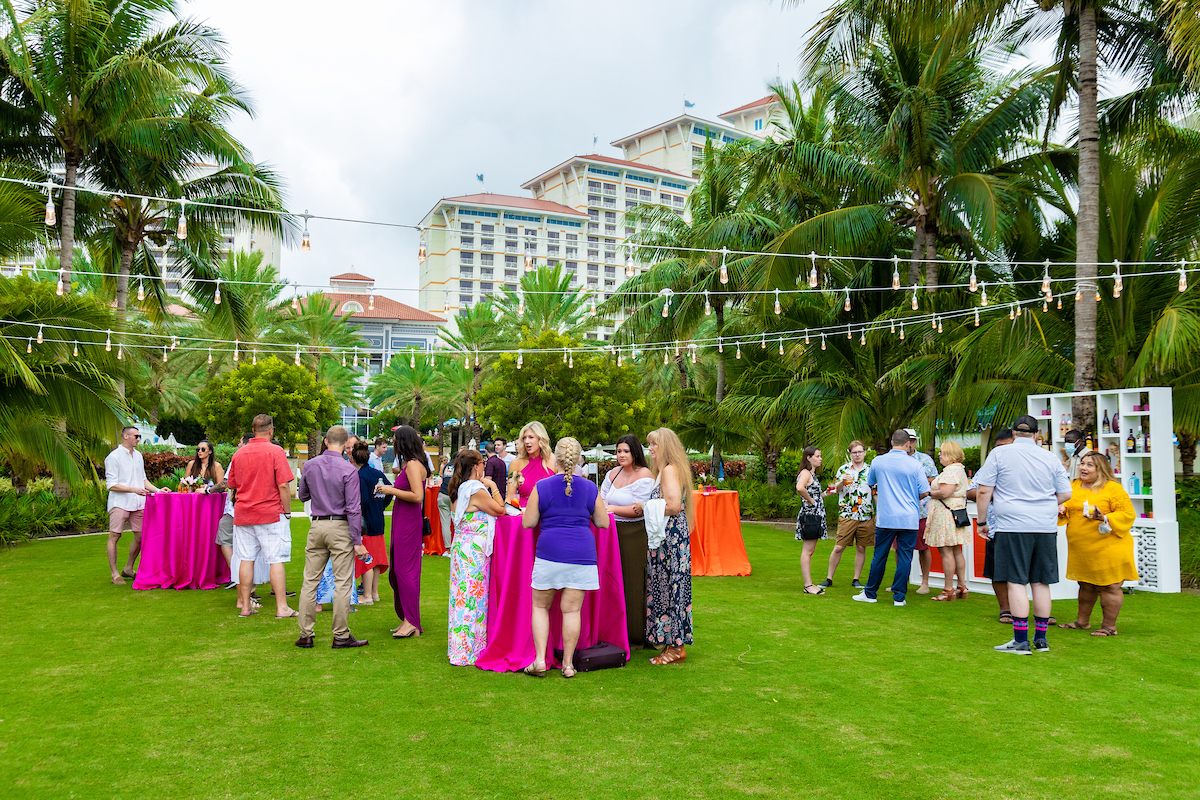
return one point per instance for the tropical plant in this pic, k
(545, 301)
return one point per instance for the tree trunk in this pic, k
(417, 412)
(128, 249)
(1088, 218)
(314, 444)
(66, 249)
(918, 252)
(1187, 453)
(931, 265)
(441, 433)
(771, 459)
(683, 376)
(719, 306)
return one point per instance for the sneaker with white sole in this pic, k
(857, 584)
(1013, 646)
(899, 603)
(1041, 645)
(862, 598)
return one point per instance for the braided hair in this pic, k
(566, 453)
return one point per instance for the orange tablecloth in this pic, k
(717, 546)
(433, 545)
(975, 549)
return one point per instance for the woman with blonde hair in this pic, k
(566, 551)
(947, 495)
(1099, 519)
(535, 463)
(669, 564)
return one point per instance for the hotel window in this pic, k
(510, 231)
(468, 243)
(646, 195)
(485, 286)
(630, 205)
(571, 265)
(594, 186)
(611, 230)
(463, 299)
(572, 237)
(487, 228)
(510, 274)
(466, 286)
(487, 244)
(593, 199)
(531, 247)
(530, 232)
(510, 262)
(594, 214)
(593, 281)
(631, 191)
(610, 284)
(758, 124)
(593, 255)
(697, 151)
(591, 336)
(593, 240)
(485, 272)
(572, 252)
(610, 188)
(466, 227)
(511, 287)
(487, 259)
(551, 234)
(552, 250)
(610, 272)
(610, 216)
(665, 198)
(629, 232)
(593, 269)
(466, 258)
(510, 246)
(593, 227)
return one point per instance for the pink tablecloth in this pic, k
(510, 600)
(179, 548)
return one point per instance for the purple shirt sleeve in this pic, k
(352, 498)
(331, 484)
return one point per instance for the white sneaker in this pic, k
(898, 603)
(1013, 646)
(862, 598)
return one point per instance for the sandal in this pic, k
(533, 672)
(1075, 626)
(1105, 631)
(962, 592)
(806, 591)
(670, 655)
(569, 672)
(946, 596)
(1006, 618)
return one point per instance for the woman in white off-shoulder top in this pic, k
(625, 490)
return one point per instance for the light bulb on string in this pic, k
(915, 305)
(295, 300)
(1098, 298)
(1046, 278)
(254, 358)
(296, 359)
(141, 292)
(1060, 302)
(564, 355)
(217, 293)
(210, 355)
(933, 323)
(1118, 283)
(974, 284)
(812, 275)
(164, 354)
(666, 355)
(977, 318)
(707, 304)
(50, 219)
(1045, 305)
(120, 352)
(939, 325)
(181, 226)
(521, 303)
(739, 350)
(846, 305)
(693, 354)
(620, 358)
(724, 268)
(371, 302)
(1182, 275)
(778, 307)
(356, 358)
(412, 360)
(174, 342)
(764, 340)
(892, 325)
(1078, 293)
(822, 341)
(467, 361)
(520, 359)
(629, 269)
(39, 335)
(849, 333)
(571, 360)
(666, 307)
(75, 349)
(477, 356)
(1012, 312)
(720, 345)
(593, 306)
(305, 240)
(862, 336)
(1019, 309)
(343, 358)
(983, 301)
(806, 336)
(528, 263)
(677, 348)
(780, 345)
(895, 272)
(901, 331)
(422, 253)
(236, 351)
(58, 290)
(29, 346)
(108, 341)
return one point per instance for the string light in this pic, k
(1018, 309)
(977, 318)
(235, 349)
(629, 269)
(343, 358)
(297, 358)
(933, 323)
(665, 357)
(693, 354)
(666, 304)
(939, 325)
(75, 348)
(141, 292)
(39, 335)
(564, 355)
(764, 340)
(528, 263)
(895, 272)
(739, 350)
(1045, 305)
(371, 302)
(108, 342)
(1046, 278)
(915, 306)
(778, 307)
(846, 305)
(467, 361)
(120, 352)
(780, 345)
(217, 293)
(1182, 275)
(254, 358)
(983, 301)
(164, 354)
(901, 331)
(724, 268)
(812, 275)
(50, 218)
(477, 356)
(862, 336)
(849, 333)
(1012, 312)
(707, 305)
(677, 348)
(806, 336)
(720, 345)
(593, 305)
(356, 358)
(571, 360)
(1078, 293)
(210, 355)
(412, 360)
(306, 240)
(295, 300)
(521, 359)
(181, 226)
(1118, 284)
(58, 290)
(620, 358)
(822, 341)
(974, 283)
(1060, 302)
(520, 303)
(892, 325)
(29, 346)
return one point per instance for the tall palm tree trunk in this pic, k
(1088, 222)
(66, 249)
(715, 471)
(918, 252)
(683, 376)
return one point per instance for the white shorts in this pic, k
(555, 575)
(272, 541)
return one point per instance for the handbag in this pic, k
(961, 520)
(601, 655)
(812, 527)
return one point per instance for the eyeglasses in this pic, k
(137, 436)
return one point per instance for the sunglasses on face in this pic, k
(137, 436)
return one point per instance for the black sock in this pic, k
(1040, 626)
(1020, 629)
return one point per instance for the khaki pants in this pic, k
(328, 539)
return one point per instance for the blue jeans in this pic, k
(905, 541)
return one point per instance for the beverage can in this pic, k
(367, 559)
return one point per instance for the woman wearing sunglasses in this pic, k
(204, 466)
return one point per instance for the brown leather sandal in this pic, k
(946, 596)
(962, 592)
(670, 655)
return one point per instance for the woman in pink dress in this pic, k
(407, 515)
(535, 462)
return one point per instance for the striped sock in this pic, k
(1020, 629)
(1040, 626)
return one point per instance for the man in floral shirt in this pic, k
(856, 514)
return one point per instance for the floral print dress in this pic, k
(812, 511)
(669, 584)
(327, 586)
(470, 570)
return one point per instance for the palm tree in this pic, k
(406, 382)
(550, 303)
(477, 334)
(99, 72)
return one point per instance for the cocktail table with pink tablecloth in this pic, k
(179, 549)
(510, 600)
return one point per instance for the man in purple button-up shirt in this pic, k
(331, 484)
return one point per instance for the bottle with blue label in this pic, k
(1135, 484)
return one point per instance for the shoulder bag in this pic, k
(961, 520)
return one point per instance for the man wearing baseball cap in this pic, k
(1027, 484)
(922, 551)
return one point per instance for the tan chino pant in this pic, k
(328, 539)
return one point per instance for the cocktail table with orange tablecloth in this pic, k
(717, 546)
(433, 545)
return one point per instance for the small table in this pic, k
(433, 544)
(179, 549)
(717, 546)
(510, 600)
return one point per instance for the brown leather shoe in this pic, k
(304, 641)
(349, 641)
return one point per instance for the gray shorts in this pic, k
(225, 532)
(1025, 558)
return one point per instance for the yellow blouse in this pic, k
(1094, 557)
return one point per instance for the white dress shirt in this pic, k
(125, 468)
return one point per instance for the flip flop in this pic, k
(118, 581)
(1075, 626)
(294, 613)
(1105, 632)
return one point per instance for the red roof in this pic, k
(385, 308)
(351, 276)
(510, 201)
(766, 101)
(604, 160)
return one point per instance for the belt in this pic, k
(329, 516)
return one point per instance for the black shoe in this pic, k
(288, 593)
(305, 641)
(1041, 646)
(230, 585)
(349, 641)
(254, 594)
(825, 584)
(857, 584)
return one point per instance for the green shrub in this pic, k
(756, 469)
(970, 461)
(1187, 493)
(171, 480)
(28, 516)
(152, 449)
(224, 454)
(1189, 546)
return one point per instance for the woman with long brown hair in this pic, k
(204, 466)
(810, 519)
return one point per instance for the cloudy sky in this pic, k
(376, 109)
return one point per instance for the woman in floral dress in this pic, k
(810, 520)
(949, 492)
(476, 501)
(669, 566)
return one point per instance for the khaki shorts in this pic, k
(117, 517)
(855, 531)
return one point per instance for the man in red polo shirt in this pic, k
(259, 475)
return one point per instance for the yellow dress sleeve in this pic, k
(1119, 508)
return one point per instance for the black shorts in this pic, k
(989, 558)
(1025, 558)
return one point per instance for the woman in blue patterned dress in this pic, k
(669, 566)
(476, 501)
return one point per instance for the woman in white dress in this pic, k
(629, 484)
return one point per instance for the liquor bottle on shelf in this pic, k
(1135, 485)
(1145, 441)
(1070, 423)
(1105, 427)
(1130, 442)
(1116, 424)
(1089, 443)
(1062, 426)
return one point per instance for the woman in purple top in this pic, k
(536, 462)
(566, 552)
(407, 515)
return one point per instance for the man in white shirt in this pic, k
(376, 458)
(125, 476)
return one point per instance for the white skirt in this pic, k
(555, 575)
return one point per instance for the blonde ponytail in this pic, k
(566, 453)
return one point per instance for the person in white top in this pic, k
(625, 490)
(502, 450)
(125, 477)
(376, 458)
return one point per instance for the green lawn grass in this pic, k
(108, 692)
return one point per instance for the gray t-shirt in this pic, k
(1025, 479)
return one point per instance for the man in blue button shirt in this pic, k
(1027, 484)
(900, 483)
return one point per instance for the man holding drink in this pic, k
(856, 514)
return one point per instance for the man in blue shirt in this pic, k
(1027, 484)
(900, 483)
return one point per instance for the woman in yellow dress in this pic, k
(1099, 517)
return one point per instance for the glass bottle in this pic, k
(1130, 443)
(1105, 427)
